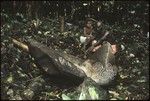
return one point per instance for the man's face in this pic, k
(89, 23)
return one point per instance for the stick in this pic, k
(20, 44)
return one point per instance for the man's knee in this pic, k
(114, 48)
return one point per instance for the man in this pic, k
(93, 37)
(87, 39)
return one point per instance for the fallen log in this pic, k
(99, 67)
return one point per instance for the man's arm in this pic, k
(98, 42)
(101, 39)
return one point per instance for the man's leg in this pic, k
(114, 48)
(96, 48)
(87, 44)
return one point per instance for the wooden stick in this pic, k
(20, 44)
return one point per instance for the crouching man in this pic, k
(93, 37)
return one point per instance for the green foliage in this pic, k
(65, 97)
(93, 93)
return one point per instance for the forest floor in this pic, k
(19, 73)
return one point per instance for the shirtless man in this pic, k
(93, 36)
(87, 39)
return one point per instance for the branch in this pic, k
(20, 44)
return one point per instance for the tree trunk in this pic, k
(29, 10)
(62, 23)
(14, 8)
(99, 67)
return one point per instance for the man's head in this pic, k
(89, 23)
